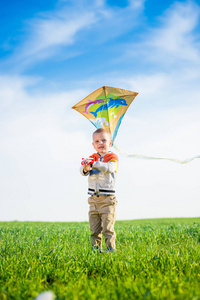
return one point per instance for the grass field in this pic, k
(155, 259)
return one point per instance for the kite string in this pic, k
(160, 158)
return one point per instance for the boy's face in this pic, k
(102, 142)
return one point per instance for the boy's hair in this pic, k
(100, 130)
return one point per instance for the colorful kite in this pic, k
(106, 107)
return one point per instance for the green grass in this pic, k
(155, 259)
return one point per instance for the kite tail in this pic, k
(160, 158)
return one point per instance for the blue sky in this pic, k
(53, 54)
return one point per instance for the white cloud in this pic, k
(53, 32)
(154, 188)
(12, 89)
(40, 153)
(50, 33)
(174, 39)
(138, 4)
(43, 143)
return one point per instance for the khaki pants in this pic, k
(102, 216)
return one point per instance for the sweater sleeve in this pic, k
(82, 171)
(107, 167)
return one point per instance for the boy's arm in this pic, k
(109, 165)
(106, 167)
(83, 172)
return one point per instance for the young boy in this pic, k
(101, 181)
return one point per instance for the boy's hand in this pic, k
(87, 168)
(87, 164)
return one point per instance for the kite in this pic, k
(106, 107)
